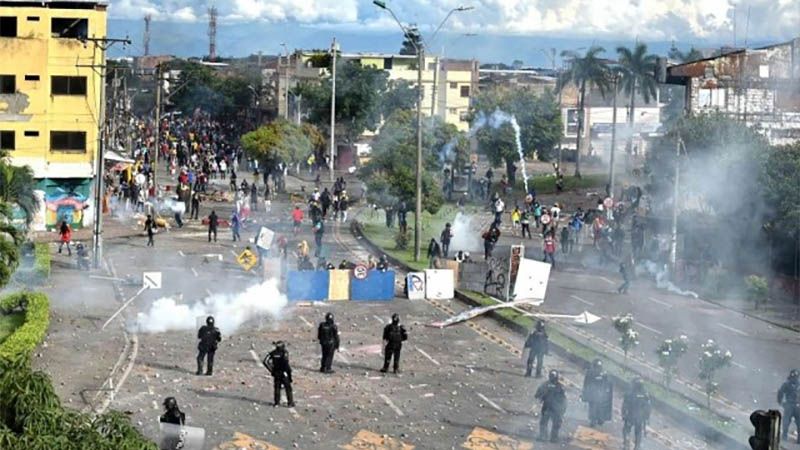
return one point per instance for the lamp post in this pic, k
(420, 49)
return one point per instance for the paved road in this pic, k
(459, 385)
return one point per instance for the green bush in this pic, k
(757, 289)
(32, 332)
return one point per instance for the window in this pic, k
(572, 122)
(68, 85)
(7, 140)
(31, 77)
(453, 85)
(387, 63)
(68, 141)
(8, 27)
(30, 133)
(464, 91)
(463, 116)
(69, 28)
(452, 110)
(33, 18)
(8, 84)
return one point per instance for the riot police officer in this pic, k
(277, 363)
(173, 414)
(554, 405)
(789, 397)
(328, 336)
(635, 414)
(598, 393)
(210, 337)
(393, 336)
(537, 345)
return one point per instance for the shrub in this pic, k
(712, 359)
(669, 354)
(32, 332)
(629, 338)
(757, 289)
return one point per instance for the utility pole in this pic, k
(333, 109)
(673, 245)
(613, 137)
(101, 44)
(157, 142)
(433, 92)
(418, 207)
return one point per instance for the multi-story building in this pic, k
(50, 100)
(757, 87)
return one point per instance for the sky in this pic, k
(493, 31)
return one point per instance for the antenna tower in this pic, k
(212, 33)
(146, 39)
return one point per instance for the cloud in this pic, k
(681, 20)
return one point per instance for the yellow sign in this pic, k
(482, 439)
(242, 441)
(591, 439)
(247, 259)
(367, 440)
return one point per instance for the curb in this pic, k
(665, 408)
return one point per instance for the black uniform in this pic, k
(445, 237)
(175, 416)
(393, 336)
(538, 344)
(554, 405)
(789, 397)
(213, 222)
(277, 362)
(328, 336)
(598, 393)
(635, 414)
(209, 336)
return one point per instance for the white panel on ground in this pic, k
(415, 281)
(531, 280)
(439, 284)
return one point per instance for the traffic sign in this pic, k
(360, 271)
(545, 218)
(608, 202)
(151, 280)
(247, 259)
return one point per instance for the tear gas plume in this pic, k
(464, 236)
(495, 120)
(229, 310)
(662, 279)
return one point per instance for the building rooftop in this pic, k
(53, 3)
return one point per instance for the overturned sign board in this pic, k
(531, 280)
(415, 285)
(439, 284)
(247, 259)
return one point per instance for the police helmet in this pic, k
(329, 317)
(794, 374)
(540, 325)
(170, 403)
(395, 318)
(638, 384)
(553, 376)
(597, 364)
(210, 321)
(280, 345)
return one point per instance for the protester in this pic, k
(65, 232)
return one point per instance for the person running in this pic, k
(149, 227)
(550, 248)
(65, 231)
(297, 219)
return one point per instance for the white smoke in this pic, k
(662, 279)
(464, 236)
(229, 310)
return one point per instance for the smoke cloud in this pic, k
(229, 310)
(464, 236)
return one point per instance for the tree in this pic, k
(390, 173)
(358, 99)
(712, 359)
(16, 188)
(692, 55)
(400, 94)
(781, 181)
(201, 87)
(412, 40)
(757, 289)
(629, 338)
(638, 70)
(539, 119)
(584, 72)
(282, 141)
(669, 354)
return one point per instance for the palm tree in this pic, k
(638, 76)
(583, 71)
(16, 188)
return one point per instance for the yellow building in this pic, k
(455, 82)
(49, 99)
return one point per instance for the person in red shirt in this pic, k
(550, 248)
(297, 218)
(66, 237)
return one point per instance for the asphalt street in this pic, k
(461, 387)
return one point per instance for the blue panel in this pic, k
(307, 285)
(377, 286)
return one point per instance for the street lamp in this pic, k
(420, 49)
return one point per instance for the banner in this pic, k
(531, 280)
(439, 284)
(339, 288)
(376, 286)
(264, 238)
(415, 285)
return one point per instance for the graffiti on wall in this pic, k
(65, 200)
